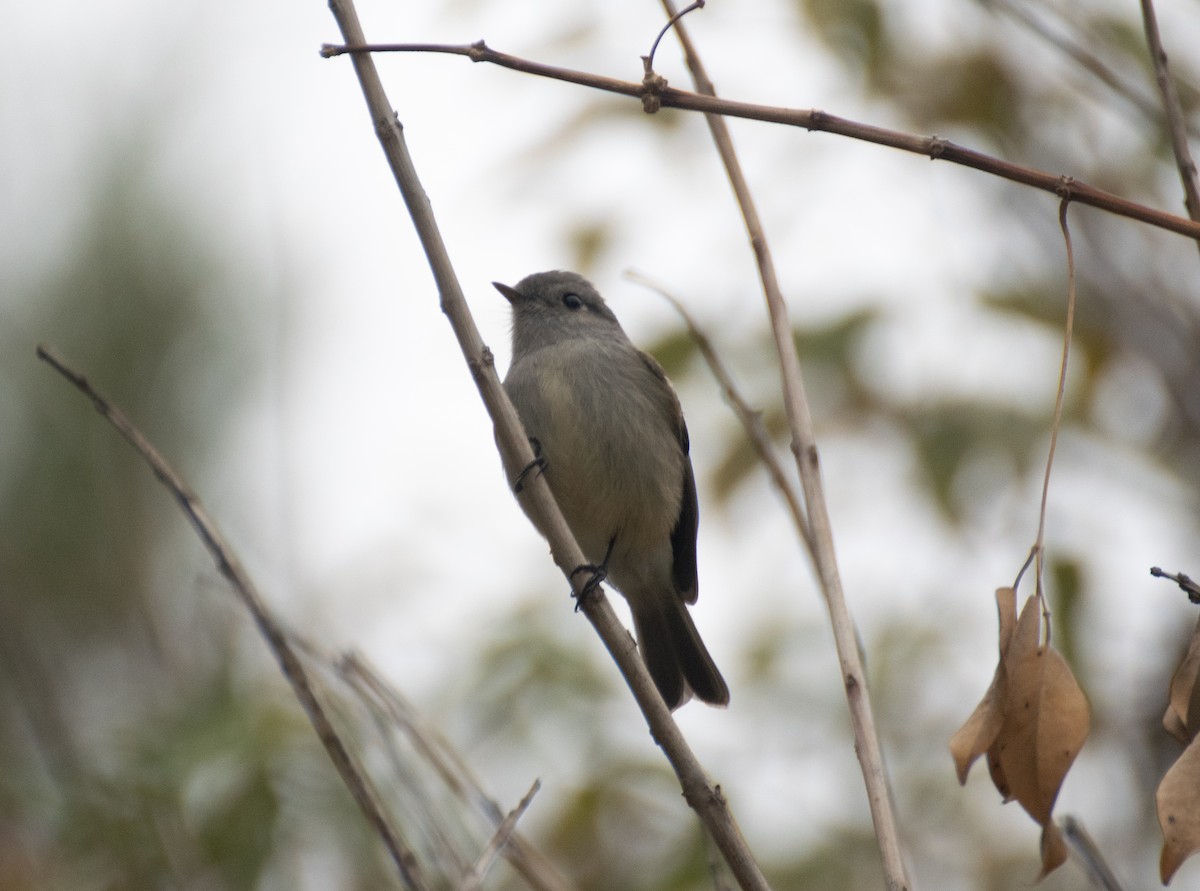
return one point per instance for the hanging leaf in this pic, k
(1177, 799)
(1032, 722)
(1178, 814)
(979, 732)
(1183, 707)
(1046, 717)
(1053, 848)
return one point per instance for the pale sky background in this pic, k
(362, 487)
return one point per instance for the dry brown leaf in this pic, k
(1054, 849)
(1006, 607)
(975, 736)
(1032, 722)
(979, 731)
(1046, 718)
(1173, 724)
(996, 771)
(1179, 811)
(1182, 718)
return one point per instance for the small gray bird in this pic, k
(608, 426)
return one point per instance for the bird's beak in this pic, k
(512, 295)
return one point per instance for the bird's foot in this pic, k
(597, 574)
(538, 464)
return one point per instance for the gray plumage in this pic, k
(611, 431)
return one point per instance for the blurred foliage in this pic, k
(134, 756)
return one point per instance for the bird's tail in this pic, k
(675, 655)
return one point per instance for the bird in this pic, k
(609, 434)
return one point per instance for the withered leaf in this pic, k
(1179, 811)
(979, 732)
(1046, 718)
(1182, 718)
(1054, 849)
(1032, 722)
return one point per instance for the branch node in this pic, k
(480, 367)
(1066, 188)
(479, 51)
(1185, 583)
(937, 147)
(652, 88)
(387, 127)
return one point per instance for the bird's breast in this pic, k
(607, 428)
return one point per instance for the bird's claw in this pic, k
(538, 463)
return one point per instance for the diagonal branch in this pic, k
(932, 147)
(473, 880)
(515, 451)
(1176, 126)
(820, 529)
(277, 639)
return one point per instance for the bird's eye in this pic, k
(572, 301)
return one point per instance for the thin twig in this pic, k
(1059, 396)
(1088, 855)
(932, 147)
(706, 799)
(804, 448)
(277, 639)
(1173, 109)
(750, 418)
(648, 60)
(474, 879)
(1185, 582)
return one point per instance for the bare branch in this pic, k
(277, 639)
(820, 530)
(1088, 855)
(515, 451)
(932, 147)
(1176, 126)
